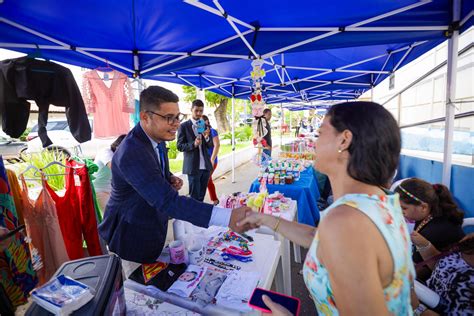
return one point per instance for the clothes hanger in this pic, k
(107, 68)
(52, 164)
(34, 174)
(29, 168)
(36, 54)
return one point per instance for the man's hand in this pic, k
(238, 214)
(198, 141)
(176, 183)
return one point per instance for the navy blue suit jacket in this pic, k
(136, 217)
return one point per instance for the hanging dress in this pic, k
(111, 106)
(86, 202)
(17, 277)
(42, 226)
(69, 216)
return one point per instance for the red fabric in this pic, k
(211, 187)
(88, 218)
(69, 216)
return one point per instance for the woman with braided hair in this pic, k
(437, 217)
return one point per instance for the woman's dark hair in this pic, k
(437, 196)
(117, 142)
(375, 147)
(205, 118)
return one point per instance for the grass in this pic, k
(176, 165)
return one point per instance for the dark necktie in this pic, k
(162, 159)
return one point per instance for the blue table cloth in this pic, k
(304, 191)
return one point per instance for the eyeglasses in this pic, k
(169, 118)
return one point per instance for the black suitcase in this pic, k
(104, 275)
(6, 307)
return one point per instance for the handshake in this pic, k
(244, 219)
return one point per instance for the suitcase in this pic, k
(104, 275)
(6, 307)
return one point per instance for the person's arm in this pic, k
(183, 144)
(300, 234)
(348, 250)
(146, 179)
(425, 248)
(215, 151)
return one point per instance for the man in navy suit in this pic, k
(194, 143)
(144, 192)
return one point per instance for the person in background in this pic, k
(453, 276)
(437, 217)
(267, 114)
(297, 129)
(213, 152)
(194, 144)
(103, 177)
(359, 259)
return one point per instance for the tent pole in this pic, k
(290, 121)
(282, 120)
(372, 88)
(450, 96)
(233, 135)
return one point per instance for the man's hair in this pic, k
(266, 111)
(152, 97)
(198, 103)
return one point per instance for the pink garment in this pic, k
(110, 106)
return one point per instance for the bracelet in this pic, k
(419, 309)
(424, 247)
(277, 224)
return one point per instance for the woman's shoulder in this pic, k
(214, 132)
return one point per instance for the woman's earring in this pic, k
(339, 150)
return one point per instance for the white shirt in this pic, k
(202, 164)
(220, 216)
(103, 177)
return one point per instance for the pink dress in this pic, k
(111, 106)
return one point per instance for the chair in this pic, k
(426, 295)
(397, 183)
(467, 222)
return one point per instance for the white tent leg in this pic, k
(450, 97)
(282, 121)
(290, 121)
(233, 136)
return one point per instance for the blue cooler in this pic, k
(104, 275)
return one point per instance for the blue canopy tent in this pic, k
(209, 43)
(336, 74)
(146, 38)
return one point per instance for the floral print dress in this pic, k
(385, 212)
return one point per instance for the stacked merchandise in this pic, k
(299, 149)
(259, 202)
(281, 172)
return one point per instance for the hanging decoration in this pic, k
(258, 105)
